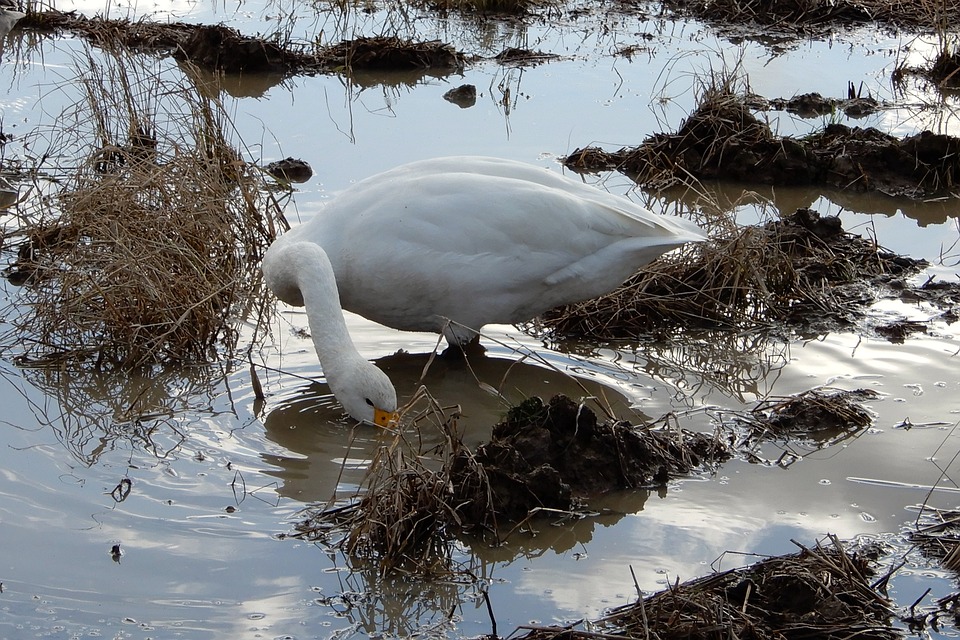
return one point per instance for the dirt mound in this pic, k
(821, 592)
(818, 414)
(552, 455)
(723, 140)
(217, 47)
(543, 458)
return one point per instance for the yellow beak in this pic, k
(385, 419)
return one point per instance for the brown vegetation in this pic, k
(152, 249)
(803, 270)
(723, 140)
(820, 592)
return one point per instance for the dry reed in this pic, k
(153, 245)
(801, 270)
(821, 592)
(405, 516)
(543, 460)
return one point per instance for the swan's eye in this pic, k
(368, 401)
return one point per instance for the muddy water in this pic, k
(217, 477)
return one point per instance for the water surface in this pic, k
(217, 476)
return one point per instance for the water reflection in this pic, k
(740, 366)
(330, 455)
(93, 412)
(734, 197)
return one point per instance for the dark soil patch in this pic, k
(802, 16)
(543, 458)
(557, 454)
(464, 96)
(821, 592)
(814, 105)
(220, 48)
(817, 414)
(390, 54)
(290, 170)
(523, 57)
(803, 271)
(723, 140)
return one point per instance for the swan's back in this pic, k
(481, 240)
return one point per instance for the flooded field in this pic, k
(160, 502)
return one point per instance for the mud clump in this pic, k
(802, 16)
(290, 170)
(821, 592)
(723, 140)
(225, 49)
(220, 48)
(814, 414)
(555, 455)
(542, 459)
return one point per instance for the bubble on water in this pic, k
(866, 517)
(824, 481)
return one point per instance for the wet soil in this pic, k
(723, 140)
(221, 48)
(820, 592)
(555, 455)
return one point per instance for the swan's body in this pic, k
(451, 244)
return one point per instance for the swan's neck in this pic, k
(306, 266)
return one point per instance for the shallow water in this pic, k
(217, 476)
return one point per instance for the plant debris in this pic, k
(554, 455)
(544, 458)
(816, 414)
(152, 249)
(821, 592)
(221, 48)
(723, 140)
(803, 270)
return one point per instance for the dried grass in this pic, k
(821, 592)
(152, 250)
(543, 460)
(803, 269)
(405, 517)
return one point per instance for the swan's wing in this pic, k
(416, 243)
(497, 224)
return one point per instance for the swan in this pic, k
(449, 245)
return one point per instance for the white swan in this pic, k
(449, 245)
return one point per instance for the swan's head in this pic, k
(367, 394)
